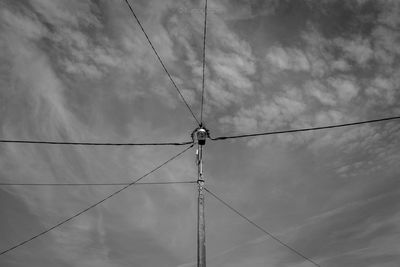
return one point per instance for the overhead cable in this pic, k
(262, 229)
(94, 205)
(161, 62)
(204, 60)
(95, 143)
(94, 184)
(304, 129)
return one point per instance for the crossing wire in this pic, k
(159, 59)
(305, 129)
(93, 205)
(262, 229)
(94, 184)
(95, 143)
(204, 60)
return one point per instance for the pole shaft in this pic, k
(201, 226)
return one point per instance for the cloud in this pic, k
(83, 71)
(88, 55)
(341, 65)
(43, 105)
(229, 60)
(233, 66)
(388, 13)
(36, 82)
(268, 114)
(347, 226)
(320, 92)
(23, 25)
(382, 88)
(288, 59)
(317, 54)
(357, 49)
(346, 88)
(386, 44)
(60, 13)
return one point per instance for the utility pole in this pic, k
(201, 135)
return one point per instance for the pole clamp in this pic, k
(199, 135)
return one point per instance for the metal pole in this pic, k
(201, 226)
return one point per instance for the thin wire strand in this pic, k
(95, 204)
(305, 129)
(204, 60)
(262, 229)
(159, 59)
(95, 184)
(94, 144)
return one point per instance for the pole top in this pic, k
(200, 135)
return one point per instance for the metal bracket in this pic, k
(199, 135)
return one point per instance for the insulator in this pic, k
(201, 135)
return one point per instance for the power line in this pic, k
(204, 60)
(305, 129)
(262, 229)
(95, 204)
(95, 184)
(94, 143)
(159, 59)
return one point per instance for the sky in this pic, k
(82, 71)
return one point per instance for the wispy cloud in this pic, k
(83, 71)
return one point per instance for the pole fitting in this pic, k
(200, 183)
(199, 135)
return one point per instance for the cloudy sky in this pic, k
(80, 70)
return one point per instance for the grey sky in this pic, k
(81, 70)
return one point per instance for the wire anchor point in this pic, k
(200, 134)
